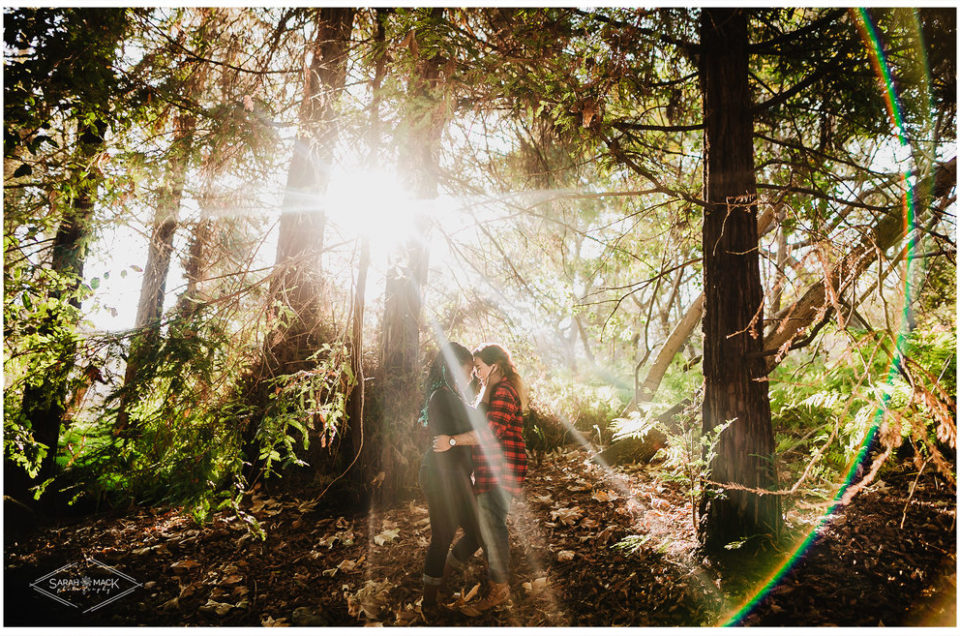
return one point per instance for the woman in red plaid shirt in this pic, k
(500, 466)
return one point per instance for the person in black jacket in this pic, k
(445, 477)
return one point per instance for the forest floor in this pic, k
(589, 547)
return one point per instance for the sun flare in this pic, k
(374, 204)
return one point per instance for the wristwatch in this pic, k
(453, 442)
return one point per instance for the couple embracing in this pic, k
(474, 468)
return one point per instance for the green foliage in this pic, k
(581, 406)
(825, 419)
(305, 403)
(688, 452)
(631, 543)
(543, 432)
(181, 444)
(40, 341)
(185, 437)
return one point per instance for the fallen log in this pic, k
(629, 450)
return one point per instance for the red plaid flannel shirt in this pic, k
(501, 456)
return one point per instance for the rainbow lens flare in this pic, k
(879, 61)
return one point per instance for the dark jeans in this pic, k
(452, 505)
(493, 507)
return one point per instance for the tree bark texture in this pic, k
(153, 288)
(198, 263)
(45, 399)
(298, 330)
(406, 279)
(734, 376)
(152, 291)
(297, 285)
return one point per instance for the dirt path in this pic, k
(588, 548)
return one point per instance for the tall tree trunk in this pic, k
(300, 243)
(406, 279)
(734, 376)
(681, 333)
(198, 262)
(45, 398)
(297, 284)
(153, 288)
(357, 446)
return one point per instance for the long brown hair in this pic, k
(491, 354)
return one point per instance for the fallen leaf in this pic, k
(537, 587)
(472, 593)
(345, 537)
(270, 621)
(386, 537)
(567, 516)
(189, 590)
(265, 505)
(151, 548)
(604, 496)
(220, 609)
(233, 579)
(182, 567)
(369, 600)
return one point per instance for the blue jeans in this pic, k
(493, 507)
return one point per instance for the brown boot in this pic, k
(497, 598)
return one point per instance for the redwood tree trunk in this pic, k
(197, 264)
(297, 286)
(300, 244)
(153, 288)
(45, 399)
(406, 279)
(734, 375)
